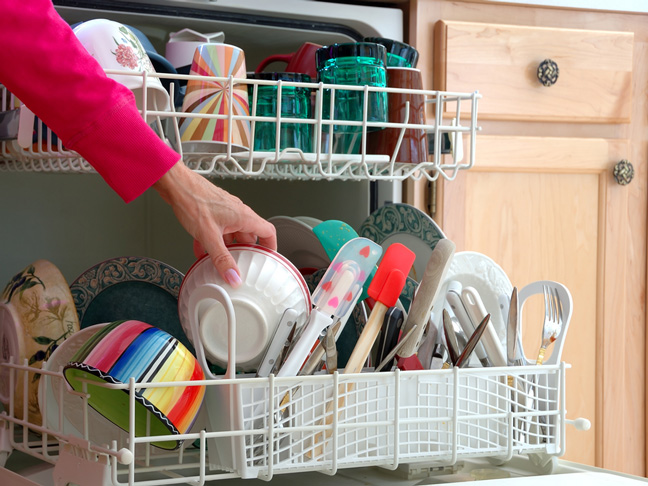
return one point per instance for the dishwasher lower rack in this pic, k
(450, 123)
(260, 427)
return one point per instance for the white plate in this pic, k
(297, 242)
(405, 224)
(473, 269)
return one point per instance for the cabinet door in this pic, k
(592, 75)
(549, 208)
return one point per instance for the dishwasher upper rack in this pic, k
(436, 418)
(451, 117)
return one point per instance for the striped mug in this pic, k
(133, 349)
(212, 98)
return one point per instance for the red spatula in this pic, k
(385, 289)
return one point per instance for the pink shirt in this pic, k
(47, 68)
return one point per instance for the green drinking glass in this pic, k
(295, 103)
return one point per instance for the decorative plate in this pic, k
(405, 224)
(130, 288)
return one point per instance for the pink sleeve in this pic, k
(47, 68)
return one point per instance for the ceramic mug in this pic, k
(133, 349)
(117, 47)
(183, 44)
(414, 145)
(300, 61)
(210, 96)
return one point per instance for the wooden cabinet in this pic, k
(541, 199)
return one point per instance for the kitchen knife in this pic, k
(419, 312)
(512, 336)
(456, 304)
(476, 311)
(338, 290)
(451, 338)
(472, 342)
(385, 288)
(389, 334)
(427, 346)
(392, 354)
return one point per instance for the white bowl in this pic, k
(271, 284)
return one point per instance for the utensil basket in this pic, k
(387, 419)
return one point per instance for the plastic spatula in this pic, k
(385, 288)
(336, 293)
(333, 234)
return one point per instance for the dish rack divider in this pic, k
(434, 417)
(451, 117)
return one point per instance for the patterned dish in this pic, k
(130, 288)
(402, 223)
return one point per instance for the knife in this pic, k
(389, 334)
(337, 292)
(419, 312)
(451, 338)
(472, 342)
(513, 354)
(427, 346)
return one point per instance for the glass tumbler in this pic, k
(358, 64)
(295, 103)
(399, 54)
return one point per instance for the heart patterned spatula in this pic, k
(336, 293)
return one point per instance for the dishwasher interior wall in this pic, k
(77, 221)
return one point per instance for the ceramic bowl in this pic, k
(271, 284)
(38, 306)
(133, 349)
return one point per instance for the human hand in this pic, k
(213, 217)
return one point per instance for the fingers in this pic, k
(223, 261)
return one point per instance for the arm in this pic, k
(47, 68)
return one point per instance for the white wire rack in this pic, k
(381, 419)
(450, 116)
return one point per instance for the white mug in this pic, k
(115, 46)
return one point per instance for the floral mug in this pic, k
(117, 47)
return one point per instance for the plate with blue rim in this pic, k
(405, 224)
(130, 287)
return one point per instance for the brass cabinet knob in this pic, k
(623, 172)
(548, 72)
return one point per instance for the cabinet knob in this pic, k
(548, 72)
(623, 172)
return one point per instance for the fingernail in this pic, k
(233, 278)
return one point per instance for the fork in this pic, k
(553, 320)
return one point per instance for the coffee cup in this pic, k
(115, 46)
(407, 107)
(182, 45)
(218, 99)
(300, 61)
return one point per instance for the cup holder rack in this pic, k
(451, 125)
